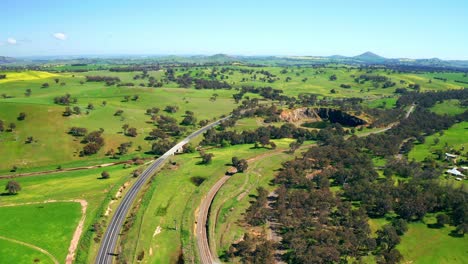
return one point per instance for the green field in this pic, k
(49, 226)
(449, 107)
(421, 244)
(52, 145)
(21, 254)
(452, 138)
(71, 185)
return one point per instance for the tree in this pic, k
(28, 92)
(442, 219)
(67, 112)
(242, 165)
(206, 157)
(132, 132)
(333, 77)
(125, 127)
(45, 85)
(29, 140)
(105, 175)
(387, 237)
(77, 110)
(21, 116)
(12, 126)
(171, 109)
(400, 225)
(234, 161)
(57, 80)
(392, 256)
(90, 106)
(1, 126)
(12, 187)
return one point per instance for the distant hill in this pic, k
(369, 57)
(5, 60)
(366, 58)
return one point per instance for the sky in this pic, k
(390, 28)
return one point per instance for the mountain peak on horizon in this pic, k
(369, 54)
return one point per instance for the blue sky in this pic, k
(414, 29)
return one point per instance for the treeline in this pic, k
(187, 81)
(429, 99)
(102, 79)
(136, 68)
(420, 123)
(260, 135)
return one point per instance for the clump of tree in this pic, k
(78, 131)
(152, 111)
(102, 79)
(131, 132)
(3, 76)
(123, 148)
(171, 109)
(94, 142)
(12, 187)
(240, 164)
(65, 100)
(206, 158)
(189, 119)
(161, 146)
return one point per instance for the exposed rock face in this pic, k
(300, 114)
(318, 114)
(338, 116)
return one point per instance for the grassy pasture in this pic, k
(21, 254)
(454, 137)
(449, 107)
(44, 120)
(421, 244)
(70, 185)
(49, 226)
(234, 198)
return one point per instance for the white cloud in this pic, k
(12, 41)
(60, 36)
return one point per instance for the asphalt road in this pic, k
(111, 236)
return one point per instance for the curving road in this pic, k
(111, 236)
(206, 257)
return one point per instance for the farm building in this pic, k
(455, 172)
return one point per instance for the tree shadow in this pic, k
(8, 194)
(434, 226)
(454, 233)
